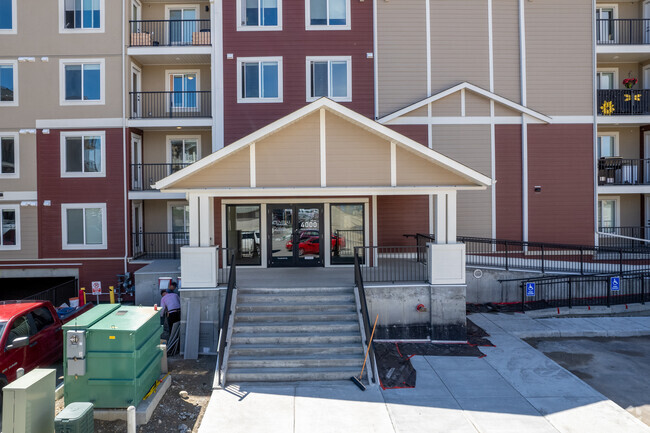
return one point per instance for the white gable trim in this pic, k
(461, 87)
(335, 108)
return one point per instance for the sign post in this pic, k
(530, 289)
(97, 289)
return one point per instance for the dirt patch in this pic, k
(194, 377)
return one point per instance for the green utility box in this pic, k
(75, 418)
(112, 355)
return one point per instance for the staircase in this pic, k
(295, 334)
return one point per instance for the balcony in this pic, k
(624, 102)
(623, 31)
(170, 105)
(158, 245)
(619, 171)
(143, 176)
(629, 238)
(169, 33)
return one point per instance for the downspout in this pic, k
(375, 56)
(124, 178)
(524, 126)
(595, 126)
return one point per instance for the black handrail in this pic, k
(619, 171)
(363, 304)
(144, 176)
(227, 312)
(393, 264)
(628, 238)
(164, 33)
(623, 102)
(623, 31)
(171, 104)
(158, 245)
(58, 294)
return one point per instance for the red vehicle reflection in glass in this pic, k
(310, 243)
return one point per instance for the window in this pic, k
(259, 79)
(607, 79)
(179, 222)
(8, 83)
(605, 25)
(82, 82)
(347, 223)
(185, 86)
(42, 318)
(9, 155)
(329, 77)
(243, 233)
(327, 14)
(10, 226)
(84, 226)
(183, 151)
(182, 24)
(81, 16)
(607, 145)
(83, 154)
(259, 15)
(608, 212)
(19, 329)
(8, 17)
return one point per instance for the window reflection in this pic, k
(243, 233)
(347, 228)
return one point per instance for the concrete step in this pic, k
(295, 290)
(275, 349)
(290, 374)
(250, 338)
(304, 361)
(297, 327)
(304, 316)
(250, 307)
(313, 298)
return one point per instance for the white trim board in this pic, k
(326, 192)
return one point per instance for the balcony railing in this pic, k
(630, 238)
(623, 102)
(623, 31)
(143, 176)
(159, 245)
(174, 104)
(165, 33)
(619, 171)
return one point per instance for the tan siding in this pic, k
(505, 34)
(419, 112)
(232, 171)
(459, 43)
(628, 141)
(290, 157)
(154, 78)
(156, 11)
(27, 165)
(401, 54)
(156, 215)
(502, 110)
(447, 106)
(626, 10)
(476, 105)
(154, 144)
(630, 210)
(475, 213)
(469, 145)
(413, 170)
(625, 70)
(559, 63)
(28, 234)
(354, 155)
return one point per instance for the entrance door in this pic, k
(295, 235)
(138, 235)
(646, 22)
(136, 85)
(136, 163)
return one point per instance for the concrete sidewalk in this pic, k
(515, 388)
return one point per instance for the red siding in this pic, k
(400, 215)
(414, 132)
(508, 188)
(560, 160)
(58, 190)
(294, 43)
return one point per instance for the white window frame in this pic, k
(241, 99)
(169, 139)
(15, 175)
(243, 28)
(197, 72)
(14, 21)
(348, 20)
(102, 20)
(617, 211)
(170, 205)
(169, 7)
(102, 81)
(64, 226)
(82, 135)
(16, 209)
(614, 134)
(14, 65)
(308, 63)
(617, 84)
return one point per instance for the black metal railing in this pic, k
(165, 33)
(393, 264)
(623, 31)
(628, 238)
(363, 304)
(623, 102)
(58, 294)
(158, 245)
(144, 176)
(227, 312)
(585, 290)
(619, 171)
(546, 257)
(171, 104)
(343, 244)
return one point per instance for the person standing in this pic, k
(170, 307)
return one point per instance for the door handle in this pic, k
(33, 344)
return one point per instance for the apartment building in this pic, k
(106, 100)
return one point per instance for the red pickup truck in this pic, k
(30, 336)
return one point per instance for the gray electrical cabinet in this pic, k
(75, 418)
(28, 403)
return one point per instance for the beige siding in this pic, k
(156, 11)
(559, 63)
(505, 36)
(27, 165)
(154, 144)
(626, 10)
(354, 155)
(401, 54)
(413, 170)
(628, 141)
(447, 106)
(502, 110)
(469, 145)
(474, 213)
(28, 234)
(419, 112)
(630, 210)
(625, 70)
(232, 171)
(290, 157)
(459, 43)
(476, 105)
(156, 214)
(154, 78)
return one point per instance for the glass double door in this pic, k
(295, 235)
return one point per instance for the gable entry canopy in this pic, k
(323, 149)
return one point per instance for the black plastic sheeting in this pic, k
(394, 358)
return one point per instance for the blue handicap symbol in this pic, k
(530, 289)
(615, 283)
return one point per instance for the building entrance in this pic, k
(295, 235)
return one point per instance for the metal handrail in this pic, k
(623, 102)
(358, 279)
(623, 31)
(143, 176)
(620, 171)
(393, 263)
(227, 312)
(164, 33)
(170, 104)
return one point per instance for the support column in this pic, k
(206, 221)
(451, 217)
(441, 218)
(194, 220)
